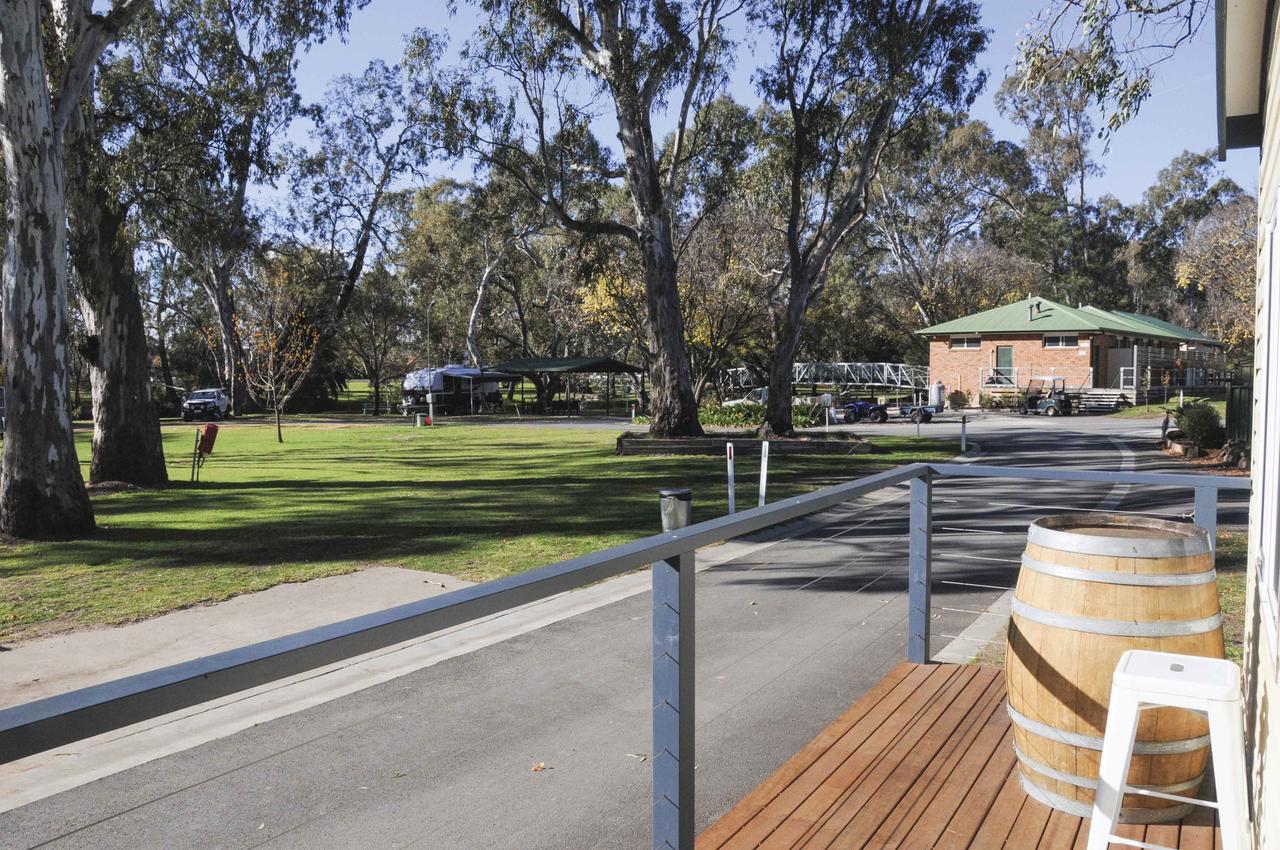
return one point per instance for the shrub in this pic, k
(957, 399)
(748, 416)
(987, 401)
(1200, 423)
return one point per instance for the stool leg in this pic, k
(1226, 742)
(1113, 770)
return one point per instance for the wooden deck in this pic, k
(924, 760)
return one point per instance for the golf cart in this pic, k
(1050, 398)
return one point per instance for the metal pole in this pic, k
(728, 452)
(1206, 514)
(673, 683)
(764, 469)
(964, 437)
(920, 569)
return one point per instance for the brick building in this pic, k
(1037, 339)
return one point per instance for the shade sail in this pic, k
(586, 365)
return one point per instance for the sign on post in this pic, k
(728, 453)
(205, 438)
(764, 469)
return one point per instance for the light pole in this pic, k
(431, 388)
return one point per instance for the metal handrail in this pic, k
(47, 723)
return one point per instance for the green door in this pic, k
(1004, 364)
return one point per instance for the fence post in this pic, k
(920, 569)
(673, 717)
(1206, 514)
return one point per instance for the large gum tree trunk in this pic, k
(217, 286)
(673, 409)
(42, 493)
(126, 430)
(788, 326)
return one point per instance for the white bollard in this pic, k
(728, 452)
(633, 413)
(764, 469)
(964, 437)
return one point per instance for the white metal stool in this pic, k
(1148, 679)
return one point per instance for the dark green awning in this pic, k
(586, 365)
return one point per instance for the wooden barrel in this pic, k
(1090, 588)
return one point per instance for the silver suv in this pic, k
(205, 404)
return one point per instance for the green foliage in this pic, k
(1003, 401)
(957, 399)
(1114, 46)
(1200, 423)
(749, 415)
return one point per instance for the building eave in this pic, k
(1242, 43)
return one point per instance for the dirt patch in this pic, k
(105, 488)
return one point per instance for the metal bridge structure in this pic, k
(843, 375)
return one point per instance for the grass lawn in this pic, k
(1231, 560)
(1156, 411)
(479, 502)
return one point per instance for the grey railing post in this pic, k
(1207, 514)
(920, 569)
(673, 625)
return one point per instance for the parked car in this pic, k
(205, 404)
(856, 411)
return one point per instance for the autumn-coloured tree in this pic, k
(278, 334)
(1219, 261)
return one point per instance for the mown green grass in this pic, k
(1231, 561)
(1156, 411)
(479, 502)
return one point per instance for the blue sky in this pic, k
(1179, 115)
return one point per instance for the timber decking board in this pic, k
(924, 760)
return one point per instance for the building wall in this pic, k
(962, 368)
(1262, 691)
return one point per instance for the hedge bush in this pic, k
(957, 399)
(749, 415)
(1200, 423)
(1006, 401)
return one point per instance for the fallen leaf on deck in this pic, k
(539, 767)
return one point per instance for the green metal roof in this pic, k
(589, 365)
(1040, 315)
(1167, 328)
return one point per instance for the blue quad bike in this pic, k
(857, 411)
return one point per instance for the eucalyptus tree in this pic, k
(46, 66)
(526, 103)
(1107, 49)
(111, 160)
(375, 334)
(227, 68)
(372, 132)
(928, 212)
(843, 84)
(1187, 190)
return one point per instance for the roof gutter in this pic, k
(1220, 40)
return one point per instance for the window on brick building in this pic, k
(966, 342)
(1061, 341)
